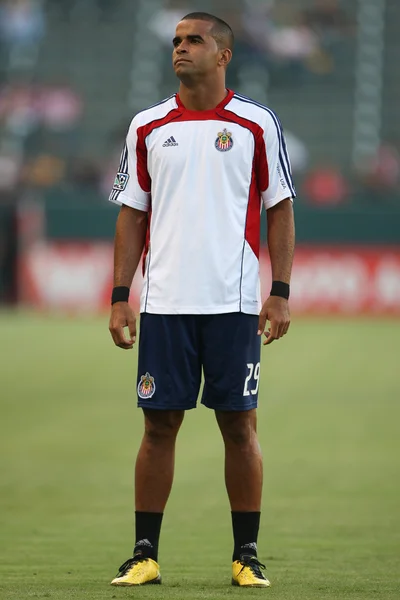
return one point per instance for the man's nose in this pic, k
(183, 47)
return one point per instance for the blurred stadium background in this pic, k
(72, 74)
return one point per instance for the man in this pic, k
(193, 173)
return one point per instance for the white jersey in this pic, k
(202, 176)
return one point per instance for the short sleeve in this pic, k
(276, 183)
(132, 183)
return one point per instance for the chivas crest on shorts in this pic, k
(224, 141)
(146, 386)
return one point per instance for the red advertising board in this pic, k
(326, 280)
(354, 280)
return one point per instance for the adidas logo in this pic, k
(251, 546)
(144, 543)
(170, 142)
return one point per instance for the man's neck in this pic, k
(202, 96)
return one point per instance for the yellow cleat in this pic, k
(246, 572)
(138, 571)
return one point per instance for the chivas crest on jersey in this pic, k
(146, 386)
(224, 141)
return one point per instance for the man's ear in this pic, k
(225, 58)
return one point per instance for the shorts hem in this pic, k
(231, 407)
(158, 407)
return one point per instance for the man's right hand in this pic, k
(122, 316)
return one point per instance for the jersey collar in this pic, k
(220, 106)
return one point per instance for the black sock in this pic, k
(245, 533)
(148, 527)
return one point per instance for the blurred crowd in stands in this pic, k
(40, 120)
(289, 43)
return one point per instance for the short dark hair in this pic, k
(221, 31)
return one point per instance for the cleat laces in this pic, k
(131, 562)
(254, 565)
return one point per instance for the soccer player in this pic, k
(193, 174)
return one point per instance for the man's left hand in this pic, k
(276, 311)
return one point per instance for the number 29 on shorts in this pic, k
(252, 380)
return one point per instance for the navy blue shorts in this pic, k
(174, 350)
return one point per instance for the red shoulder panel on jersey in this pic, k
(141, 148)
(259, 179)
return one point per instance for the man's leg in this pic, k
(153, 481)
(243, 459)
(168, 382)
(169, 374)
(243, 476)
(154, 475)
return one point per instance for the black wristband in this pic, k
(120, 294)
(281, 289)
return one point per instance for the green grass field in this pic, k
(329, 427)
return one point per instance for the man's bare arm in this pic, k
(281, 239)
(130, 236)
(280, 224)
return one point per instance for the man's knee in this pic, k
(238, 428)
(162, 425)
